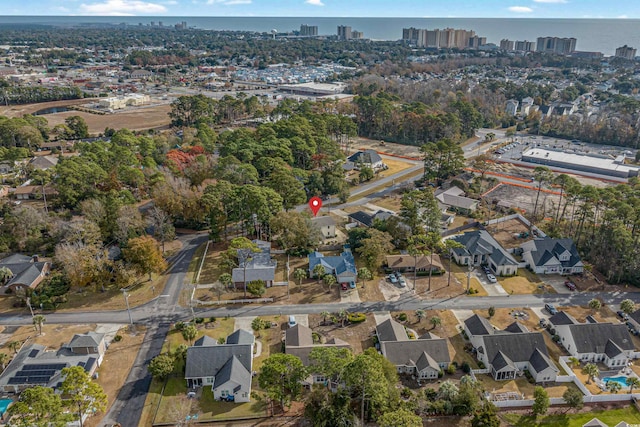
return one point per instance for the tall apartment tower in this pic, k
(308, 30)
(563, 46)
(626, 52)
(344, 32)
(411, 35)
(525, 46)
(507, 45)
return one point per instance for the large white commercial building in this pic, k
(603, 165)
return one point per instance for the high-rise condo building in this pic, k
(626, 52)
(344, 32)
(563, 46)
(524, 46)
(507, 45)
(308, 30)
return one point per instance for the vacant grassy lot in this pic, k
(210, 409)
(503, 317)
(521, 385)
(610, 417)
(359, 335)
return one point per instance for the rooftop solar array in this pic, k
(36, 373)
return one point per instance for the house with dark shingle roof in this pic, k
(454, 199)
(509, 352)
(367, 220)
(424, 357)
(35, 365)
(366, 158)
(298, 341)
(552, 256)
(226, 368)
(26, 272)
(343, 267)
(608, 343)
(480, 248)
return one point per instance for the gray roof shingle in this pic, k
(478, 325)
(518, 347)
(409, 352)
(234, 371)
(241, 336)
(593, 337)
(207, 361)
(390, 330)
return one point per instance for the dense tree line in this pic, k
(15, 95)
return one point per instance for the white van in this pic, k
(292, 321)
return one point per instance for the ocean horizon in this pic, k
(599, 35)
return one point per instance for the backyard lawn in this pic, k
(610, 417)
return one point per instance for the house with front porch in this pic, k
(608, 343)
(343, 266)
(552, 256)
(508, 353)
(480, 248)
(226, 368)
(424, 357)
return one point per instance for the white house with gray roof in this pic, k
(255, 265)
(226, 368)
(608, 343)
(508, 353)
(424, 357)
(552, 256)
(480, 248)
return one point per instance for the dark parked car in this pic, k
(622, 314)
(551, 309)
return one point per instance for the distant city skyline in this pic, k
(572, 9)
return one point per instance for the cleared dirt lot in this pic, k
(141, 118)
(505, 233)
(524, 198)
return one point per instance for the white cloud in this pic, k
(229, 2)
(550, 1)
(314, 2)
(520, 9)
(122, 7)
(623, 17)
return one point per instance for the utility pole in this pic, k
(288, 274)
(30, 307)
(126, 300)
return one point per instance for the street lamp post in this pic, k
(126, 300)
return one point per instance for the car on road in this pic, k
(491, 278)
(551, 309)
(402, 281)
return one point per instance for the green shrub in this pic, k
(179, 326)
(481, 365)
(451, 369)
(402, 317)
(356, 317)
(212, 320)
(316, 337)
(117, 338)
(199, 320)
(466, 368)
(440, 373)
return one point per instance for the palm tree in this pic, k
(342, 315)
(435, 321)
(324, 315)
(574, 362)
(299, 274)
(14, 345)
(319, 272)
(364, 274)
(420, 314)
(632, 382)
(3, 360)
(614, 386)
(38, 320)
(329, 280)
(592, 371)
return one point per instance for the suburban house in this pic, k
(424, 357)
(608, 343)
(366, 220)
(634, 320)
(35, 366)
(454, 199)
(325, 225)
(405, 263)
(508, 353)
(43, 162)
(480, 248)
(255, 266)
(343, 267)
(366, 158)
(34, 192)
(298, 341)
(512, 107)
(227, 368)
(26, 272)
(552, 256)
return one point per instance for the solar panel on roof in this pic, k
(38, 366)
(33, 353)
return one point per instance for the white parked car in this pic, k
(492, 278)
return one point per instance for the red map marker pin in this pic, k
(315, 204)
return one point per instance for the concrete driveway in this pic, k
(556, 282)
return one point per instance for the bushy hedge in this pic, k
(356, 317)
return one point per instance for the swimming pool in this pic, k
(4, 404)
(621, 380)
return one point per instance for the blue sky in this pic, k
(333, 8)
